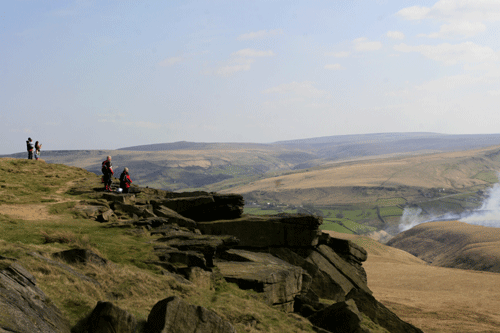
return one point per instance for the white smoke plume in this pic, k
(487, 215)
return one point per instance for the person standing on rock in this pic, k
(30, 147)
(38, 146)
(107, 171)
(125, 180)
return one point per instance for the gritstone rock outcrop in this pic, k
(202, 236)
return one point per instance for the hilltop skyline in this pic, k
(106, 75)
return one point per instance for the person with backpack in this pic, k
(30, 147)
(38, 146)
(107, 171)
(125, 180)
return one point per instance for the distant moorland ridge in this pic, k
(216, 166)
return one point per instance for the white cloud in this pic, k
(303, 89)
(334, 67)
(414, 13)
(241, 61)
(170, 61)
(462, 29)
(260, 34)
(463, 10)
(395, 34)
(252, 53)
(464, 18)
(449, 54)
(238, 65)
(362, 44)
(343, 54)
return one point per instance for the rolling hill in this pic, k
(453, 244)
(215, 166)
(383, 172)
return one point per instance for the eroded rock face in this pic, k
(175, 315)
(203, 206)
(341, 317)
(24, 308)
(284, 230)
(280, 281)
(379, 314)
(108, 318)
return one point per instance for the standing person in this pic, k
(107, 171)
(29, 146)
(38, 146)
(125, 180)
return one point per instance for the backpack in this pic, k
(123, 178)
(28, 146)
(105, 169)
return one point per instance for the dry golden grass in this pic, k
(456, 170)
(205, 158)
(443, 170)
(435, 299)
(453, 244)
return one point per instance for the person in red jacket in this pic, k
(125, 180)
(107, 171)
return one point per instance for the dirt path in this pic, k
(31, 212)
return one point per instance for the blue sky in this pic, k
(112, 74)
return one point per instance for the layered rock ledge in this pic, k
(199, 236)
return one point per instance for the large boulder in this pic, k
(82, 256)
(284, 230)
(341, 317)
(328, 282)
(143, 211)
(175, 315)
(108, 318)
(204, 244)
(204, 206)
(24, 308)
(174, 217)
(125, 198)
(163, 223)
(352, 253)
(279, 281)
(347, 269)
(107, 216)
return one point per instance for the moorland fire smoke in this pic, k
(487, 215)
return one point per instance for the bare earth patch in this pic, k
(435, 299)
(27, 212)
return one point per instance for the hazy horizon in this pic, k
(83, 74)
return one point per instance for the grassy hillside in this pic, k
(435, 299)
(453, 244)
(346, 174)
(40, 214)
(437, 183)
